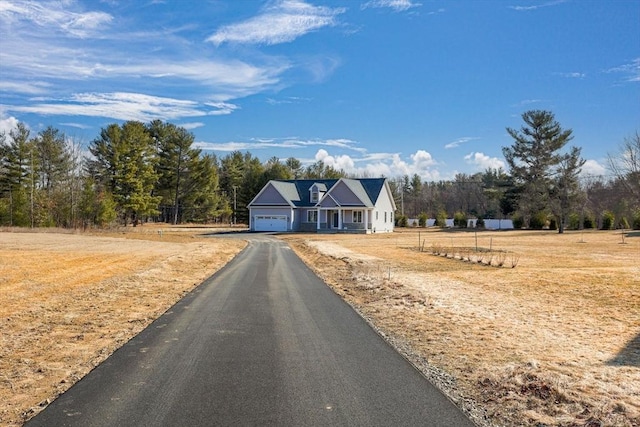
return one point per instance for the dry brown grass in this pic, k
(554, 341)
(67, 301)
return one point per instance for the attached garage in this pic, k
(270, 223)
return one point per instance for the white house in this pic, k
(324, 205)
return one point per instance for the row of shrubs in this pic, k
(588, 221)
(608, 221)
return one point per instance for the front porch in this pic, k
(339, 220)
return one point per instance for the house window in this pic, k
(377, 215)
(312, 216)
(314, 197)
(357, 216)
(385, 217)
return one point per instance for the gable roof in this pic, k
(296, 192)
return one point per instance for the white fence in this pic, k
(489, 224)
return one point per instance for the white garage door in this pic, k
(270, 223)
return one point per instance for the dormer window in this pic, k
(316, 191)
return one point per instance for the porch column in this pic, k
(339, 219)
(318, 219)
(292, 220)
(366, 219)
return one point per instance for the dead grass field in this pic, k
(554, 341)
(67, 301)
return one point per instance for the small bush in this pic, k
(624, 224)
(422, 219)
(460, 220)
(574, 221)
(636, 220)
(441, 219)
(480, 223)
(589, 221)
(401, 220)
(538, 221)
(608, 219)
(518, 222)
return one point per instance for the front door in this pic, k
(335, 220)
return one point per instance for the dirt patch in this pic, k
(67, 301)
(553, 341)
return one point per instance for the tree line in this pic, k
(543, 187)
(136, 172)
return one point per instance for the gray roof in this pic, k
(287, 189)
(296, 191)
(358, 189)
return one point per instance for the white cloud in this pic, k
(537, 6)
(422, 160)
(383, 164)
(49, 31)
(7, 124)
(192, 125)
(76, 125)
(120, 106)
(525, 102)
(482, 161)
(54, 16)
(342, 162)
(396, 5)
(632, 69)
(30, 88)
(574, 75)
(280, 22)
(459, 141)
(291, 142)
(441, 10)
(593, 168)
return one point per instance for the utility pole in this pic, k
(235, 219)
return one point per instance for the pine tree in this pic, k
(177, 162)
(124, 161)
(535, 160)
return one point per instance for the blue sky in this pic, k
(376, 87)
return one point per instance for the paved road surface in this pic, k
(263, 342)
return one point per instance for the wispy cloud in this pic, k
(287, 100)
(460, 141)
(123, 106)
(192, 125)
(288, 143)
(396, 5)
(631, 70)
(437, 12)
(55, 16)
(76, 125)
(526, 102)
(483, 162)
(280, 22)
(537, 6)
(51, 30)
(574, 75)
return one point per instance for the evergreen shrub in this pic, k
(608, 219)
